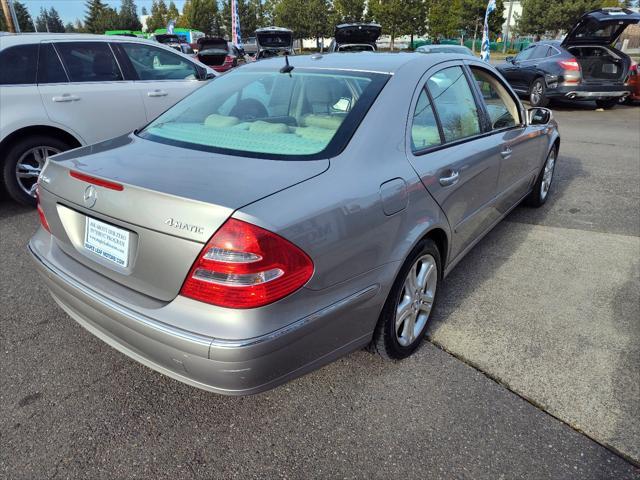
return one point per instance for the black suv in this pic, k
(584, 66)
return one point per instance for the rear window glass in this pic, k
(18, 65)
(270, 114)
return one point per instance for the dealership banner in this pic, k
(484, 50)
(236, 37)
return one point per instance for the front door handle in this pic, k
(506, 153)
(451, 179)
(66, 97)
(157, 93)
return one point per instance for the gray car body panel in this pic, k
(357, 215)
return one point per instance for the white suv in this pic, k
(61, 91)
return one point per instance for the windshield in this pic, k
(268, 114)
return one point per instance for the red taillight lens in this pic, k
(570, 64)
(245, 266)
(96, 181)
(228, 59)
(633, 70)
(43, 219)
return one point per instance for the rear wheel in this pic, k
(607, 103)
(406, 312)
(540, 192)
(24, 162)
(538, 94)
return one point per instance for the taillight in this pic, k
(228, 59)
(245, 266)
(569, 64)
(43, 219)
(633, 70)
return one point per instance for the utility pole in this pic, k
(7, 10)
(506, 30)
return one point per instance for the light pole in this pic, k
(506, 30)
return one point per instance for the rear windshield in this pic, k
(269, 114)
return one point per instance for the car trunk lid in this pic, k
(362, 33)
(212, 51)
(600, 27)
(170, 203)
(274, 38)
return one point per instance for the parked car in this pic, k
(250, 46)
(234, 247)
(355, 37)
(61, 91)
(459, 49)
(219, 54)
(634, 85)
(174, 41)
(273, 42)
(584, 66)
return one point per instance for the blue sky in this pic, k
(69, 10)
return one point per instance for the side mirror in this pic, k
(509, 59)
(539, 116)
(209, 76)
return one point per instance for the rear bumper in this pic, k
(588, 92)
(231, 367)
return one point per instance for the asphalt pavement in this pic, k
(532, 371)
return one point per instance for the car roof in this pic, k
(361, 61)
(24, 38)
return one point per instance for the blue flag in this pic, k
(484, 49)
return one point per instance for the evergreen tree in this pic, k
(251, 14)
(144, 11)
(93, 17)
(172, 12)
(69, 28)
(24, 18)
(158, 18)
(129, 16)
(201, 15)
(49, 21)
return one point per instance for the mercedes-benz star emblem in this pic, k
(90, 196)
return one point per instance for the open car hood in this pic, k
(274, 37)
(600, 27)
(357, 33)
(210, 43)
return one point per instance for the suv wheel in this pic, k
(406, 312)
(607, 103)
(538, 94)
(24, 162)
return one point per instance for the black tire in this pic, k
(607, 104)
(538, 93)
(15, 152)
(385, 338)
(538, 197)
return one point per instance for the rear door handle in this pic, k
(506, 153)
(157, 93)
(66, 97)
(451, 179)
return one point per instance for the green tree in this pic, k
(49, 21)
(128, 16)
(445, 18)
(3, 23)
(349, 11)
(540, 16)
(172, 12)
(24, 18)
(392, 15)
(416, 18)
(472, 18)
(144, 11)
(159, 14)
(201, 15)
(69, 28)
(250, 12)
(95, 10)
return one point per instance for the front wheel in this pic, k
(24, 162)
(540, 192)
(607, 103)
(538, 94)
(408, 307)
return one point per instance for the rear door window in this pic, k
(50, 68)
(454, 103)
(424, 129)
(525, 54)
(152, 63)
(89, 61)
(18, 65)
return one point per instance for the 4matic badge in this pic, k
(177, 224)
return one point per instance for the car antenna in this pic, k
(287, 68)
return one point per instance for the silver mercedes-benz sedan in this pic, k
(288, 214)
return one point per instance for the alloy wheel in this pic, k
(416, 300)
(547, 175)
(536, 93)
(29, 166)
